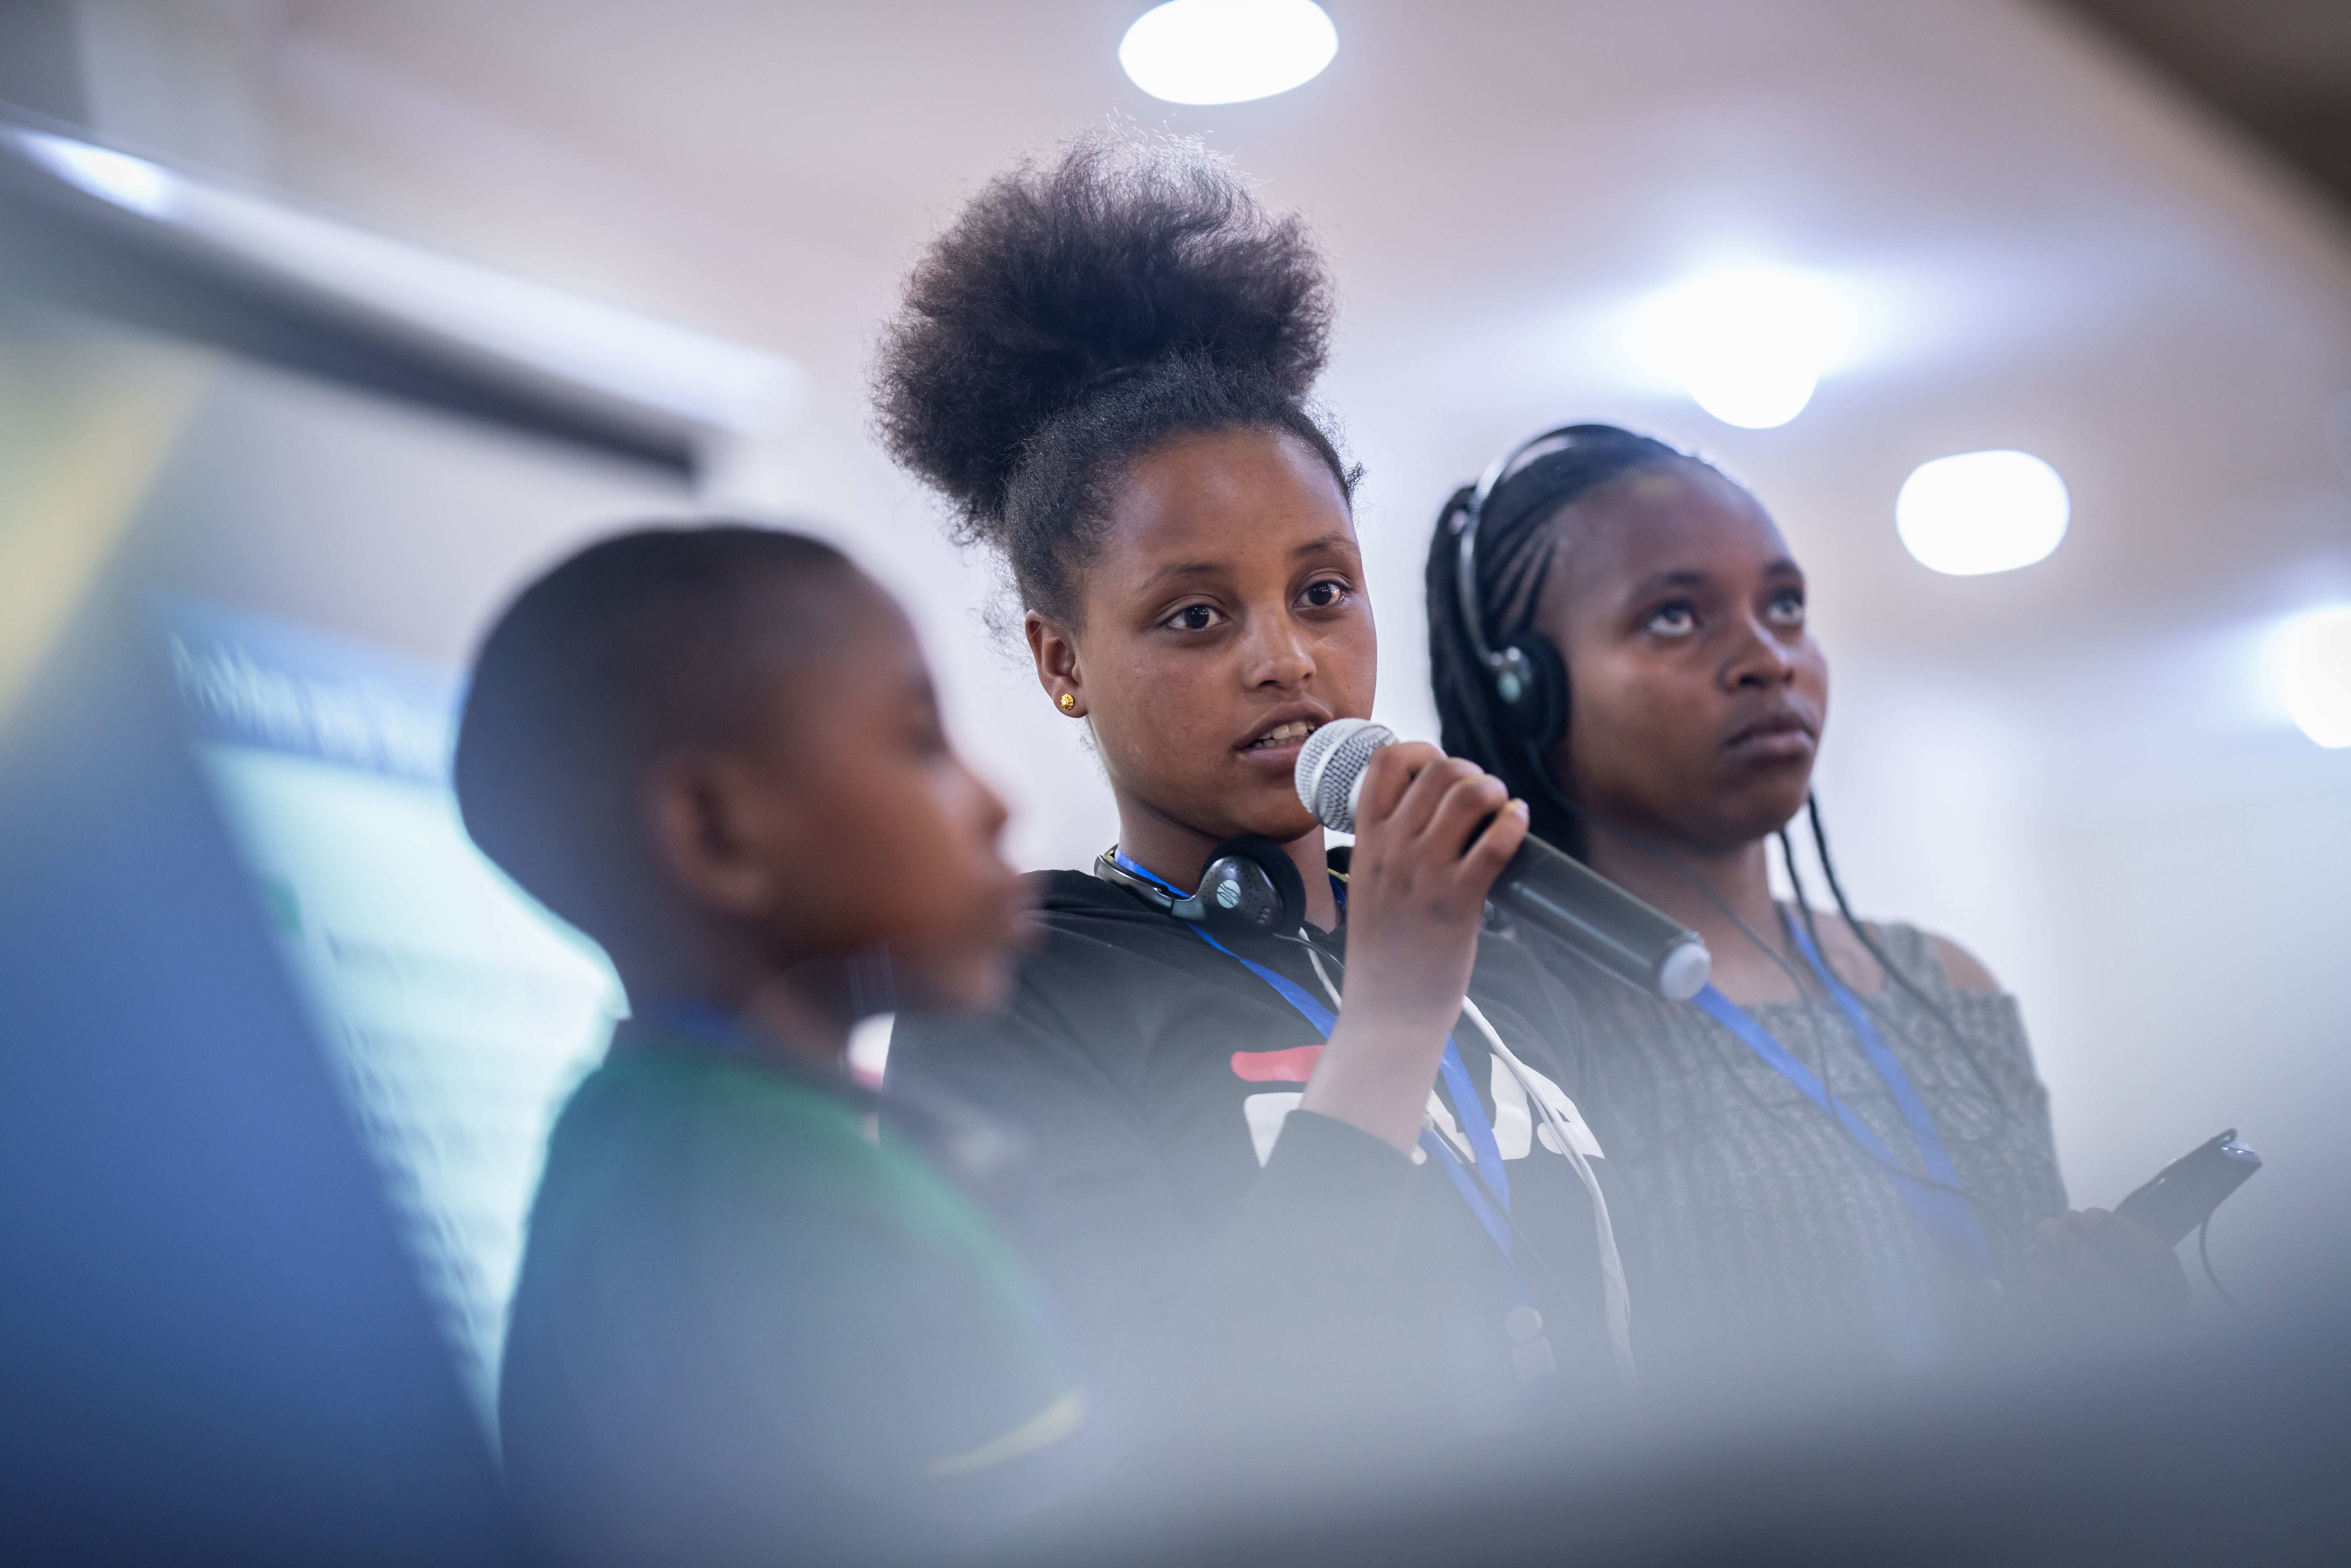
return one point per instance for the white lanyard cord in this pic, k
(1614, 1291)
(1618, 1299)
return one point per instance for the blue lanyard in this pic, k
(1488, 1195)
(1944, 1214)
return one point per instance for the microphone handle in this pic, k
(1623, 935)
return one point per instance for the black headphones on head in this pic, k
(1250, 887)
(1527, 676)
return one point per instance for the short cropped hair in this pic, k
(654, 639)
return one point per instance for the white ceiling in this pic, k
(2056, 254)
(2062, 258)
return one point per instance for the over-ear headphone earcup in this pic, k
(1532, 685)
(1249, 885)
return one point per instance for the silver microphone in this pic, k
(1540, 885)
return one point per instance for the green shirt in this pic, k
(748, 1327)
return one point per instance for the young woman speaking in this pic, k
(1839, 1153)
(1301, 1132)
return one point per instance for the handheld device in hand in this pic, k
(2184, 1193)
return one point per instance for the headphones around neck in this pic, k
(1250, 887)
(1528, 677)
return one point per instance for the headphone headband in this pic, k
(1525, 673)
(1473, 511)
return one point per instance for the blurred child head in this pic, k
(717, 750)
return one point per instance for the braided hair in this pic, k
(1517, 540)
(1081, 312)
(1517, 535)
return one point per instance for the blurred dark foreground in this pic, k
(2236, 1450)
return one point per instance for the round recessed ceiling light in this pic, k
(1227, 51)
(1748, 344)
(2312, 660)
(1755, 395)
(1981, 512)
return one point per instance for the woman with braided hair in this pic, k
(1840, 1153)
(1331, 1160)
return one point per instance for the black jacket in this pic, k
(1208, 1244)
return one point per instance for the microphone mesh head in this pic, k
(1331, 765)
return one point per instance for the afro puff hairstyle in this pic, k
(1081, 312)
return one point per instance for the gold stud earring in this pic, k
(1070, 703)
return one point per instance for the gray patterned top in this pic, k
(1759, 1236)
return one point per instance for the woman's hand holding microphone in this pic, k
(1415, 898)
